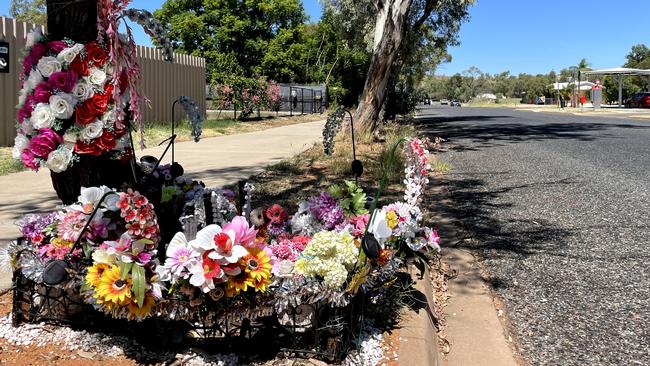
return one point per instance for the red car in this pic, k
(639, 100)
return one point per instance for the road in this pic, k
(558, 208)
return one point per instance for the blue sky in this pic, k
(537, 36)
(312, 7)
(525, 35)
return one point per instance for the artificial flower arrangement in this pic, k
(232, 265)
(66, 105)
(73, 95)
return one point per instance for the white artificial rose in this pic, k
(97, 76)
(62, 105)
(48, 66)
(22, 98)
(42, 116)
(69, 54)
(109, 117)
(21, 142)
(33, 37)
(58, 160)
(70, 136)
(92, 130)
(83, 90)
(32, 81)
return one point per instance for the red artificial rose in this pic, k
(107, 141)
(90, 148)
(86, 113)
(79, 66)
(96, 54)
(100, 102)
(108, 89)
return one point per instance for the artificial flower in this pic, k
(62, 105)
(112, 288)
(58, 160)
(141, 311)
(94, 274)
(48, 65)
(42, 116)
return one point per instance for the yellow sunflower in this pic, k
(112, 288)
(94, 275)
(257, 264)
(60, 243)
(141, 312)
(238, 284)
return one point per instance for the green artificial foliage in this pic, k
(351, 198)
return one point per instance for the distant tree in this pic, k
(639, 57)
(30, 11)
(235, 36)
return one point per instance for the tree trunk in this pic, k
(77, 20)
(74, 19)
(389, 33)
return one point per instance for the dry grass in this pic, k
(157, 132)
(7, 163)
(293, 180)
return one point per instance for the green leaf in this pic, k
(125, 268)
(139, 284)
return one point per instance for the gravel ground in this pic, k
(558, 207)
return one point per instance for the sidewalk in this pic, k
(216, 161)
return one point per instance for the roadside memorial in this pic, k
(138, 244)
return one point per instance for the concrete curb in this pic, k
(418, 336)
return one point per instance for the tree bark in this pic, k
(74, 19)
(390, 29)
(77, 20)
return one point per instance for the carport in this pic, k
(619, 73)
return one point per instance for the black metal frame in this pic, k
(329, 335)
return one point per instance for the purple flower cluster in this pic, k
(33, 225)
(327, 210)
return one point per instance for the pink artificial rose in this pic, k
(36, 53)
(63, 80)
(42, 92)
(46, 142)
(24, 113)
(57, 46)
(29, 159)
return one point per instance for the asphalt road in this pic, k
(559, 208)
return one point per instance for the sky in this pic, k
(531, 36)
(538, 36)
(313, 8)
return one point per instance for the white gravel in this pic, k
(91, 343)
(372, 347)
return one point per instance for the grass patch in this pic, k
(440, 167)
(157, 132)
(7, 163)
(293, 180)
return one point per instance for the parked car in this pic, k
(455, 103)
(444, 102)
(639, 100)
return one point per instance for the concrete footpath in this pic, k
(217, 161)
(474, 329)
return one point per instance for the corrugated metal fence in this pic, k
(162, 82)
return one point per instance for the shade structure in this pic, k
(583, 85)
(619, 72)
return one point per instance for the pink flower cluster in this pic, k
(139, 215)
